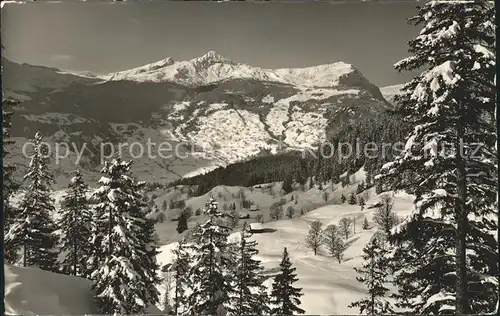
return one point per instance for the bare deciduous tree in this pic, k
(345, 227)
(314, 238)
(385, 217)
(276, 211)
(333, 242)
(339, 249)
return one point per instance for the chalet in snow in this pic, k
(256, 228)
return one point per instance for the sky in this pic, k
(107, 37)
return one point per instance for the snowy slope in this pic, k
(213, 67)
(31, 291)
(328, 286)
(390, 91)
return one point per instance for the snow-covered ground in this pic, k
(328, 286)
(390, 91)
(31, 291)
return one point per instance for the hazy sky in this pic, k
(104, 37)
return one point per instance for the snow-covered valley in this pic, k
(328, 286)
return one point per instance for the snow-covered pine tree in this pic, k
(74, 227)
(285, 298)
(33, 228)
(212, 263)
(125, 279)
(248, 292)
(447, 248)
(373, 274)
(9, 186)
(180, 268)
(263, 308)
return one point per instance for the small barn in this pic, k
(256, 228)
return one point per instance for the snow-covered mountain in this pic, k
(390, 91)
(227, 111)
(212, 67)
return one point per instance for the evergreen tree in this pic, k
(360, 188)
(369, 177)
(180, 268)
(352, 199)
(125, 279)
(74, 225)
(447, 247)
(287, 184)
(212, 263)
(361, 202)
(378, 187)
(285, 298)
(374, 275)
(248, 292)
(343, 198)
(9, 186)
(33, 228)
(182, 223)
(365, 225)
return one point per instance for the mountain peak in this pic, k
(211, 54)
(211, 57)
(212, 67)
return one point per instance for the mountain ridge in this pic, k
(227, 116)
(216, 68)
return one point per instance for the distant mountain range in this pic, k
(228, 111)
